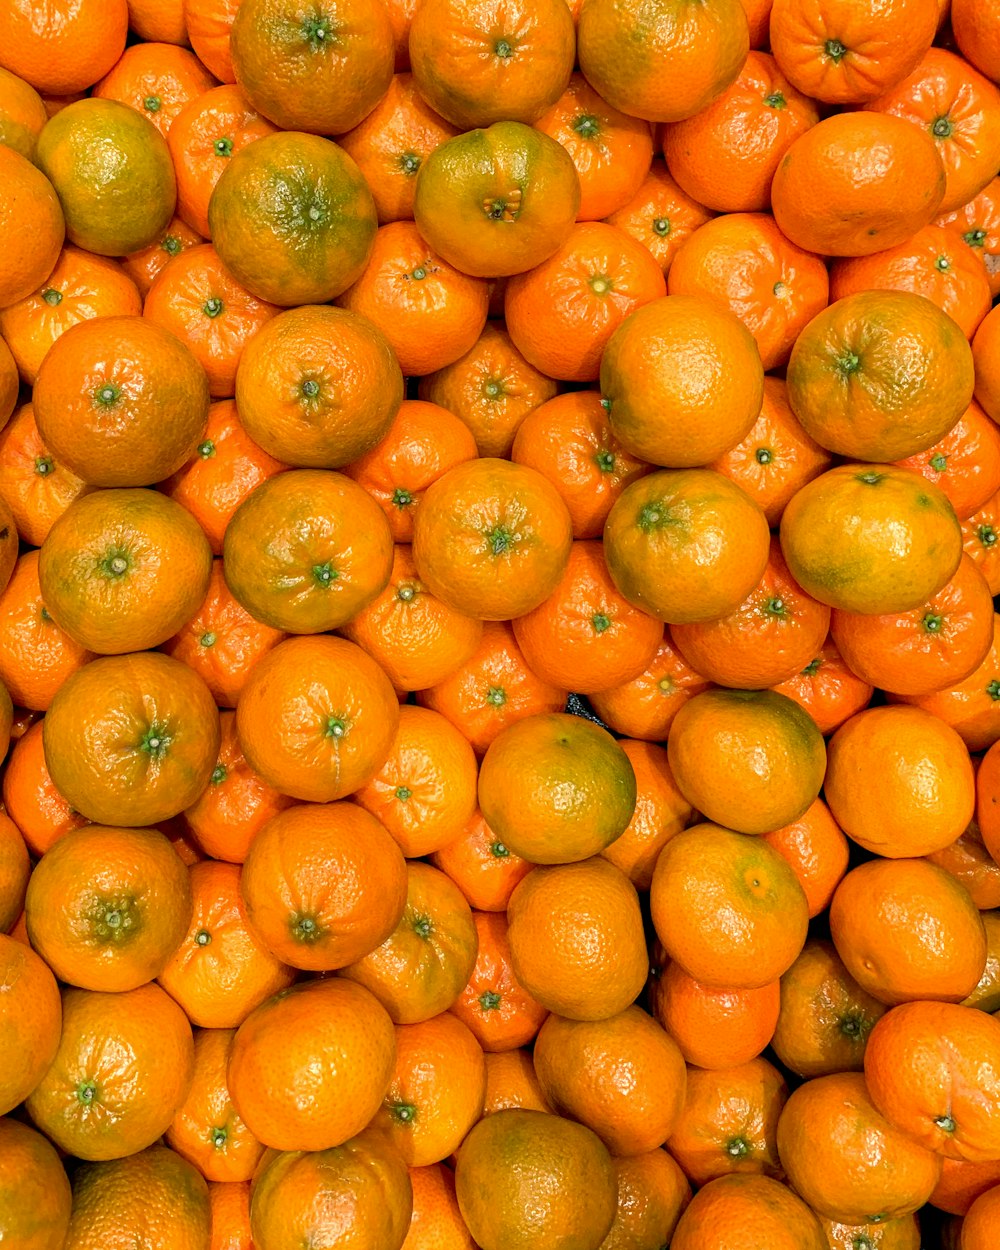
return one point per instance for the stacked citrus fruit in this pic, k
(499, 680)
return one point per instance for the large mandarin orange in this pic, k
(317, 718)
(156, 80)
(491, 538)
(306, 551)
(766, 1212)
(556, 788)
(750, 760)
(320, 70)
(63, 48)
(30, 1023)
(576, 939)
(32, 227)
(825, 1017)
(714, 1027)
(688, 356)
(35, 1197)
(829, 196)
(358, 1193)
(219, 971)
(663, 62)
(332, 1025)
(848, 1162)
(121, 401)
(315, 184)
(122, 1069)
(834, 536)
(318, 387)
(132, 739)
(906, 930)
(425, 963)
(107, 907)
(323, 885)
(686, 545)
(494, 1005)
(477, 64)
(710, 883)
(497, 201)
(559, 1170)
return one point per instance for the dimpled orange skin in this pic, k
(871, 538)
(880, 375)
(576, 939)
(623, 1077)
(933, 1070)
(686, 545)
(356, 1195)
(30, 1024)
(32, 227)
(857, 183)
(767, 1211)
(303, 886)
(845, 1160)
(35, 1198)
(652, 1195)
(309, 1067)
(908, 930)
(492, 538)
(727, 908)
(899, 781)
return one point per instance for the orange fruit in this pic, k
(208, 26)
(715, 1027)
(426, 961)
(622, 1077)
(560, 1170)
(22, 114)
(660, 215)
(840, 52)
(988, 799)
(306, 551)
(970, 862)
(843, 376)
(483, 867)
(323, 885)
(696, 871)
(477, 65)
(134, 1197)
(122, 570)
(429, 311)
(436, 1220)
(494, 1005)
(67, 52)
(156, 80)
(35, 1198)
(122, 1070)
(425, 792)
(652, 1194)
(965, 463)
(491, 538)
(158, 20)
(320, 72)
(980, 1221)
(31, 798)
(961, 1184)
(219, 971)
(766, 1211)
(662, 63)
(358, 1192)
(931, 1069)
(817, 852)
(143, 266)
(131, 739)
(977, 222)
(207, 1131)
(556, 788)
(30, 1024)
(576, 939)
(646, 706)
(825, 1017)
(80, 287)
(318, 387)
(845, 1160)
(748, 760)
(511, 1083)
(908, 930)
(436, 1091)
(497, 201)
(317, 718)
(697, 570)
(725, 155)
(686, 355)
(728, 1122)
(984, 356)
(331, 1023)
(32, 227)
(827, 689)
(833, 538)
(120, 401)
(9, 383)
(826, 199)
(317, 182)
(899, 781)
(106, 908)
(112, 171)
(14, 872)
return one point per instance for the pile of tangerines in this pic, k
(499, 681)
